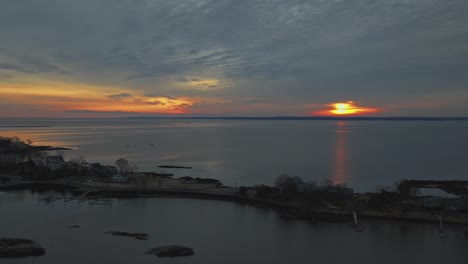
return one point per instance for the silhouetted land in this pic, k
(25, 166)
(173, 167)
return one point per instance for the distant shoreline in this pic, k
(247, 118)
(26, 126)
(316, 118)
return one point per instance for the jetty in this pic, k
(329, 203)
(93, 200)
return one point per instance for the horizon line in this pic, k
(338, 118)
(446, 118)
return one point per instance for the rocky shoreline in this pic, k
(18, 247)
(286, 210)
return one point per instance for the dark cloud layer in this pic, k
(299, 51)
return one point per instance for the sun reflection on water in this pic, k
(340, 162)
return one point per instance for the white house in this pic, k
(120, 178)
(435, 192)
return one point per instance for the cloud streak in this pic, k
(119, 96)
(62, 97)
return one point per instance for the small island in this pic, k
(139, 236)
(171, 251)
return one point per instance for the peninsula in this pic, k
(23, 166)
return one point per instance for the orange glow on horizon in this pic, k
(63, 97)
(346, 108)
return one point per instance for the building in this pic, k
(119, 178)
(434, 192)
(54, 162)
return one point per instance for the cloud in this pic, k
(16, 67)
(119, 96)
(31, 66)
(156, 103)
(61, 97)
(4, 76)
(73, 111)
(301, 51)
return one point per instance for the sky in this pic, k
(107, 58)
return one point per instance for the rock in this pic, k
(139, 236)
(171, 251)
(17, 247)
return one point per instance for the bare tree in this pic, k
(123, 165)
(132, 168)
(282, 180)
(287, 184)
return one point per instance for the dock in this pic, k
(80, 199)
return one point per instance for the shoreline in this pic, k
(285, 210)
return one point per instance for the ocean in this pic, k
(362, 154)
(218, 232)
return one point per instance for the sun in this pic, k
(345, 108)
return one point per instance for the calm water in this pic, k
(362, 154)
(219, 232)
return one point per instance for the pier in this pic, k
(79, 200)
